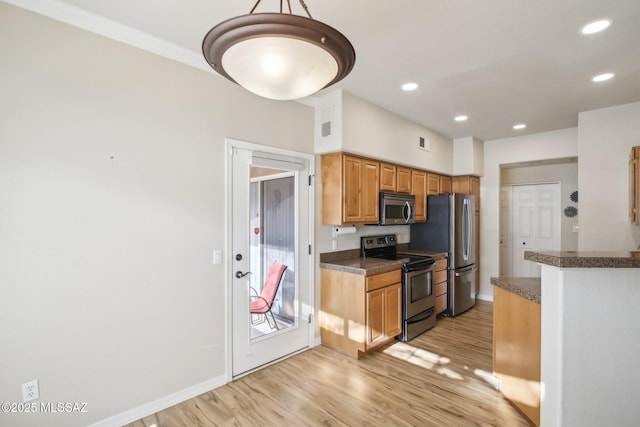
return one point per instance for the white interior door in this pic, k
(536, 217)
(270, 222)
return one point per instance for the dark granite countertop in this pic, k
(526, 287)
(362, 266)
(350, 261)
(585, 259)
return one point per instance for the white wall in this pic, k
(589, 364)
(112, 187)
(369, 130)
(468, 156)
(542, 146)
(606, 137)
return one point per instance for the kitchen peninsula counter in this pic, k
(590, 324)
(526, 287)
(586, 259)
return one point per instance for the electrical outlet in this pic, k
(30, 391)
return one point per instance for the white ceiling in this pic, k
(500, 62)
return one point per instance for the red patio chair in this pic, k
(261, 304)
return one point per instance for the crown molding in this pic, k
(72, 15)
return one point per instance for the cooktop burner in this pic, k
(384, 247)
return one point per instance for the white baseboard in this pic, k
(161, 404)
(485, 297)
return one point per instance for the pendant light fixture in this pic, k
(279, 55)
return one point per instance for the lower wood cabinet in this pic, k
(440, 284)
(516, 351)
(360, 313)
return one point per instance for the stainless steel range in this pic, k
(418, 298)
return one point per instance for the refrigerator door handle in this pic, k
(463, 271)
(466, 228)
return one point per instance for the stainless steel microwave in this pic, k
(397, 208)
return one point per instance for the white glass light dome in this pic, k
(279, 56)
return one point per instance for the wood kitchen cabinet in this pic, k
(388, 177)
(349, 189)
(433, 184)
(440, 284)
(445, 184)
(469, 184)
(360, 313)
(516, 350)
(403, 184)
(634, 185)
(419, 189)
(395, 178)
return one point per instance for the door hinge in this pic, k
(310, 318)
(310, 179)
(310, 251)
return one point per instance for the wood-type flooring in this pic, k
(441, 378)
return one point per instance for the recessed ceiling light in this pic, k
(596, 26)
(519, 126)
(410, 86)
(602, 77)
(461, 118)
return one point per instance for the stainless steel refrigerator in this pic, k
(450, 228)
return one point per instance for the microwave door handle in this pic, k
(408, 210)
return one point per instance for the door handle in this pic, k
(240, 274)
(464, 271)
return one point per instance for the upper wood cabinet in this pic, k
(433, 184)
(395, 178)
(403, 180)
(419, 187)
(634, 185)
(387, 177)
(349, 189)
(467, 184)
(445, 184)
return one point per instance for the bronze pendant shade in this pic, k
(277, 55)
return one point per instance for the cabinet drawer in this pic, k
(441, 303)
(441, 264)
(381, 280)
(440, 276)
(441, 288)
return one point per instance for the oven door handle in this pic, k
(422, 316)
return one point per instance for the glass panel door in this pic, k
(270, 223)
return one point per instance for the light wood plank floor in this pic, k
(434, 380)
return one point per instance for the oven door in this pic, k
(418, 291)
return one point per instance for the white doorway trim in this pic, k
(230, 144)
